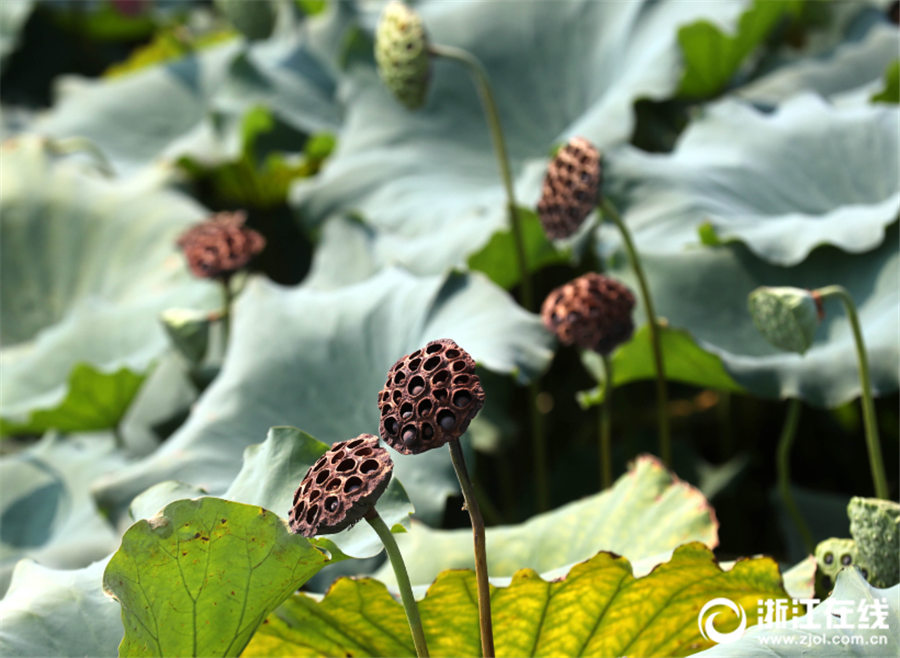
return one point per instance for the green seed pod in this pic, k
(255, 20)
(787, 317)
(401, 52)
(834, 554)
(875, 525)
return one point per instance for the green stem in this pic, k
(783, 465)
(406, 595)
(227, 299)
(606, 426)
(539, 451)
(481, 570)
(876, 463)
(665, 439)
(479, 75)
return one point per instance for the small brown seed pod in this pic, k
(429, 398)
(341, 487)
(218, 247)
(592, 312)
(570, 189)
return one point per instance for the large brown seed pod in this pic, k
(570, 189)
(341, 487)
(218, 247)
(429, 398)
(592, 312)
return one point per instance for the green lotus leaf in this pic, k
(192, 105)
(197, 579)
(713, 57)
(46, 511)
(704, 290)
(318, 360)
(598, 609)
(858, 605)
(59, 612)
(783, 183)
(427, 182)
(76, 341)
(890, 92)
(685, 362)
(646, 513)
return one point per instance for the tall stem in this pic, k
(227, 299)
(665, 439)
(606, 426)
(783, 465)
(876, 463)
(406, 595)
(479, 75)
(481, 570)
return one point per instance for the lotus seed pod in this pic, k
(255, 20)
(341, 487)
(429, 398)
(786, 317)
(401, 52)
(875, 526)
(220, 246)
(834, 554)
(592, 312)
(571, 188)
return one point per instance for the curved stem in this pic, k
(876, 463)
(783, 466)
(606, 426)
(481, 570)
(406, 595)
(539, 451)
(665, 439)
(479, 75)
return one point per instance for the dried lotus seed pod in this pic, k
(571, 188)
(220, 246)
(786, 317)
(429, 398)
(341, 487)
(592, 312)
(401, 52)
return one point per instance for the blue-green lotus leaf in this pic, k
(317, 360)
(783, 183)
(705, 289)
(427, 182)
(88, 263)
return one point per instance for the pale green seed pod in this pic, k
(401, 52)
(787, 317)
(835, 554)
(875, 525)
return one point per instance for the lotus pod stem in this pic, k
(873, 444)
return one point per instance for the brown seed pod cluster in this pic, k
(570, 189)
(218, 247)
(341, 487)
(592, 312)
(429, 398)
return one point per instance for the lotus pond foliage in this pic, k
(449, 328)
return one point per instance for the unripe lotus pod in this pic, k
(401, 52)
(592, 312)
(835, 554)
(341, 487)
(429, 398)
(786, 317)
(220, 246)
(875, 526)
(571, 188)
(255, 20)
